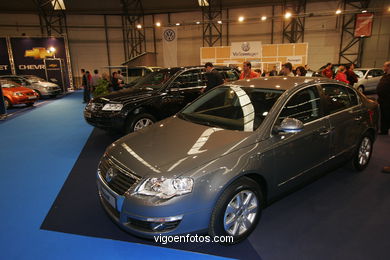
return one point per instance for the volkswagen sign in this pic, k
(169, 35)
(110, 174)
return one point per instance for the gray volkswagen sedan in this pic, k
(214, 166)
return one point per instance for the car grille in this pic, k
(120, 179)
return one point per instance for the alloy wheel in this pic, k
(364, 151)
(241, 212)
(142, 123)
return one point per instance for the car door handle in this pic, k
(326, 131)
(358, 118)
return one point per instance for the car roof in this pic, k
(280, 82)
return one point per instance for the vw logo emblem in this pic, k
(245, 46)
(169, 35)
(110, 174)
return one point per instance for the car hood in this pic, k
(174, 146)
(133, 94)
(45, 84)
(18, 89)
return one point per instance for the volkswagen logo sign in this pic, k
(110, 174)
(169, 35)
(245, 46)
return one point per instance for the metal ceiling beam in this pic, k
(212, 31)
(133, 38)
(351, 48)
(52, 17)
(294, 27)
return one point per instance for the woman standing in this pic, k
(340, 76)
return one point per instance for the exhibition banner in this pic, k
(363, 25)
(29, 54)
(294, 59)
(5, 65)
(245, 50)
(169, 39)
(54, 70)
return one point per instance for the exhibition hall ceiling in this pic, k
(114, 6)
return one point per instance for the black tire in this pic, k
(7, 103)
(135, 122)
(29, 104)
(362, 154)
(220, 214)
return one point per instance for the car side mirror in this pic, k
(290, 125)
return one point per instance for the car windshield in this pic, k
(156, 80)
(232, 107)
(360, 73)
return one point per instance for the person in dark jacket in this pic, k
(115, 81)
(85, 84)
(383, 91)
(214, 78)
(351, 76)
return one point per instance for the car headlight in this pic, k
(112, 107)
(165, 188)
(18, 94)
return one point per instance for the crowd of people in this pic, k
(97, 85)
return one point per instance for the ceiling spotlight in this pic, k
(52, 49)
(177, 24)
(219, 22)
(338, 11)
(197, 22)
(241, 18)
(158, 24)
(263, 18)
(139, 26)
(364, 11)
(287, 15)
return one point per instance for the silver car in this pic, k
(368, 78)
(39, 85)
(215, 165)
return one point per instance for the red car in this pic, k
(15, 94)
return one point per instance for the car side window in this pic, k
(336, 97)
(188, 79)
(353, 97)
(378, 73)
(303, 105)
(371, 73)
(229, 75)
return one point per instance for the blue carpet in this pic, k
(38, 150)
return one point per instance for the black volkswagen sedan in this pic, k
(155, 96)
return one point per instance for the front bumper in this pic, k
(24, 99)
(107, 120)
(143, 219)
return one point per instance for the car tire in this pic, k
(7, 103)
(139, 121)
(29, 104)
(362, 154)
(227, 220)
(361, 89)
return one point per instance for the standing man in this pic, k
(383, 91)
(327, 72)
(85, 85)
(287, 70)
(94, 80)
(214, 78)
(247, 72)
(351, 76)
